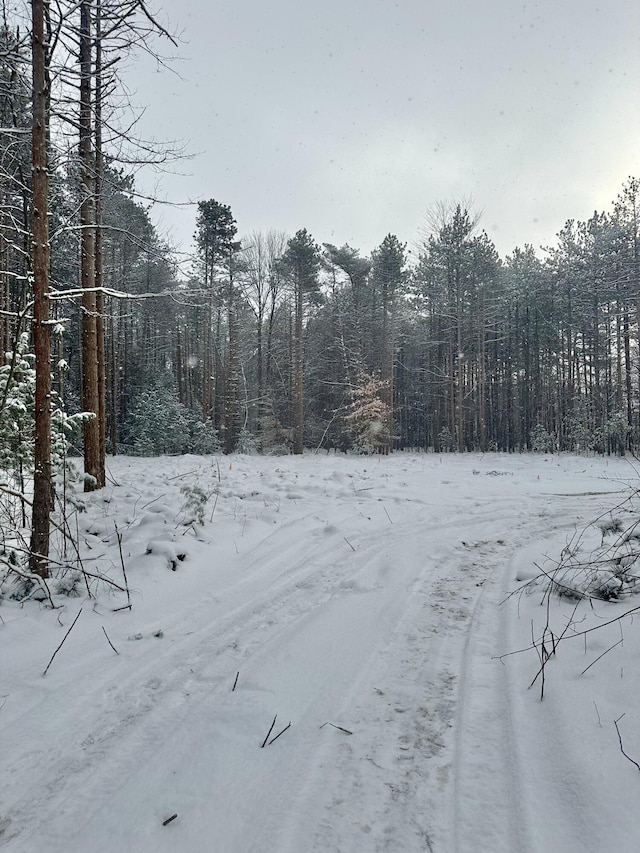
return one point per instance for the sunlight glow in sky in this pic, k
(353, 118)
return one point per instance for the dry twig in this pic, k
(288, 726)
(62, 643)
(615, 723)
(109, 641)
(124, 571)
(264, 742)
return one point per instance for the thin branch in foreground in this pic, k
(597, 713)
(62, 643)
(39, 582)
(601, 656)
(288, 726)
(615, 723)
(236, 681)
(264, 742)
(124, 571)
(341, 728)
(109, 641)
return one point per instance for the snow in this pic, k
(367, 603)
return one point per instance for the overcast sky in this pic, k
(353, 118)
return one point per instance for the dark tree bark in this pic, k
(99, 183)
(232, 425)
(298, 369)
(301, 264)
(90, 385)
(388, 273)
(42, 486)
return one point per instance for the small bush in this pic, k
(541, 441)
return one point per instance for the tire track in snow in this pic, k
(559, 785)
(486, 810)
(493, 806)
(392, 788)
(139, 712)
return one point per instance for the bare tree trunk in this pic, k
(90, 394)
(482, 388)
(619, 393)
(627, 364)
(219, 377)
(386, 368)
(4, 291)
(232, 385)
(270, 325)
(207, 361)
(460, 384)
(113, 408)
(207, 368)
(298, 399)
(99, 181)
(179, 367)
(259, 356)
(42, 486)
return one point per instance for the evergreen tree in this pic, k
(215, 232)
(301, 266)
(388, 274)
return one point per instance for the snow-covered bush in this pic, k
(159, 424)
(195, 502)
(369, 415)
(578, 434)
(541, 441)
(17, 393)
(17, 400)
(70, 584)
(602, 562)
(445, 440)
(204, 438)
(246, 442)
(272, 439)
(616, 431)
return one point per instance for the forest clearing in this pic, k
(319, 420)
(314, 653)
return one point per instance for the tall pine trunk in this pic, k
(232, 385)
(90, 388)
(386, 367)
(42, 486)
(99, 183)
(298, 398)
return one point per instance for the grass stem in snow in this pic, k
(62, 643)
(109, 641)
(288, 726)
(615, 723)
(264, 742)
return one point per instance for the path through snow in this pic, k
(361, 600)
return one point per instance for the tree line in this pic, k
(270, 342)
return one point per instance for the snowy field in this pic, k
(362, 603)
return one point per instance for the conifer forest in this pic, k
(270, 342)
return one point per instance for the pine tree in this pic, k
(388, 272)
(215, 232)
(301, 265)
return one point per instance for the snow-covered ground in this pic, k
(362, 603)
